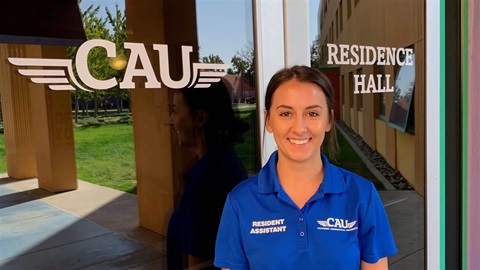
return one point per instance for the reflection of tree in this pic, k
(212, 59)
(97, 58)
(119, 37)
(315, 53)
(243, 63)
(396, 93)
(98, 62)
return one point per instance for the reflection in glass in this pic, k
(402, 96)
(204, 122)
(227, 37)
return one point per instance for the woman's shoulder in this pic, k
(354, 181)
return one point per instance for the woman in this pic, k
(204, 122)
(300, 211)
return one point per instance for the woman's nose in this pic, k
(299, 125)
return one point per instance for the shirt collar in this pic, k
(268, 182)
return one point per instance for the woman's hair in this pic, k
(307, 75)
(221, 126)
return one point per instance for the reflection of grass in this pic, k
(3, 159)
(105, 156)
(247, 151)
(348, 159)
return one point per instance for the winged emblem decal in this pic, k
(58, 74)
(54, 75)
(206, 77)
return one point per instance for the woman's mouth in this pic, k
(299, 142)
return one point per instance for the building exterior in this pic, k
(381, 24)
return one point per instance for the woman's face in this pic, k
(298, 119)
(182, 121)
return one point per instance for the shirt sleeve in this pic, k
(375, 234)
(229, 251)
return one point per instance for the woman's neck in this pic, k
(300, 171)
(300, 180)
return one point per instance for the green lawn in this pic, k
(105, 155)
(3, 160)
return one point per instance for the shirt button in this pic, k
(300, 218)
(302, 234)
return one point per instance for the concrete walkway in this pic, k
(95, 227)
(92, 227)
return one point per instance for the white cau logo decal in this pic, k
(52, 71)
(337, 224)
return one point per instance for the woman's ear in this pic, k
(201, 118)
(266, 118)
(330, 121)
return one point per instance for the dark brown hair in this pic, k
(307, 75)
(222, 125)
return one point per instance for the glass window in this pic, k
(380, 70)
(360, 96)
(350, 90)
(349, 8)
(336, 24)
(341, 16)
(403, 94)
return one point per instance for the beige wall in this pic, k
(381, 135)
(360, 126)
(405, 150)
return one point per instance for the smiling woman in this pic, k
(332, 216)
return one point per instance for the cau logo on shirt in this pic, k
(337, 224)
(59, 73)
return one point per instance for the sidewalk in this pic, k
(95, 227)
(92, 227)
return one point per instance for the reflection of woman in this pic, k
(300, 211)
(204, 122)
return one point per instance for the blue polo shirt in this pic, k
(343, 223)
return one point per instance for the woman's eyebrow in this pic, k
(314, 106)
(307, 108)
(285, 107)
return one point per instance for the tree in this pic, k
(243, 61)
(213, 59)
(119, 36)
(243, 64)
(97, 58)
(315, 53)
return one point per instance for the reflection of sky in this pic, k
(110, 4)
(224, 27)
(313, 18)
(405, 77)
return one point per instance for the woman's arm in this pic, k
(382, 264)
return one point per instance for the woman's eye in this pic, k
(285, 114)
(313, 114)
